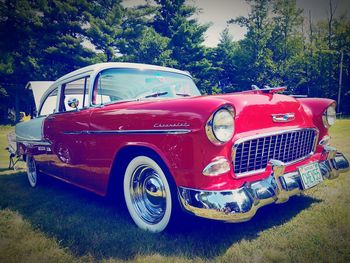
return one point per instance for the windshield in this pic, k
(129, 84)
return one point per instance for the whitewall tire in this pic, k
(32, 172)
(147, 194)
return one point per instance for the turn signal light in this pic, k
(217, 167)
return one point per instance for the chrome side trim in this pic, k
(35, 142)
(129, 132)
(171, 125)
(239, 205)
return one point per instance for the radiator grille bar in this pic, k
(253, 154)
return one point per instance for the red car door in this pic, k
(67, 133)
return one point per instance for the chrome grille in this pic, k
(253, 154)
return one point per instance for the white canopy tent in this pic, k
(38, 88)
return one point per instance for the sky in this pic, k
(218, 12)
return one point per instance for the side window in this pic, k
(78, 90)
(49, 105)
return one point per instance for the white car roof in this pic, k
(96, 68)
(101, 66)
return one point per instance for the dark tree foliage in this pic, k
(40, 40)
(141, 42)
(223, 58)
(61, 38)
(254, 56)
(175, 20)
(19, 24)
(104, 29)
(281, 47)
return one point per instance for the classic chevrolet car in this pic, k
(146, 132)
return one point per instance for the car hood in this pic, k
(256, 111)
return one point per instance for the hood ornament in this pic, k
(283, 117)
(268, 89)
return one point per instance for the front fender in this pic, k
(315, 108)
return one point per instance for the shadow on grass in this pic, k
(89, 224)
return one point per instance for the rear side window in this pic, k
(49, 105)
(78, 90)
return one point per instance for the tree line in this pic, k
(283, 46)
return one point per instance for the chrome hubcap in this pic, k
(31, 170)
(63, 154)
(148, 194)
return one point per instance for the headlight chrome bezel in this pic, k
(210, 129)
(329, 116)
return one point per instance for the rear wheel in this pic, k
(32, 172)
(147, 194)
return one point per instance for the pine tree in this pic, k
(62, 37)
(224, 60)
(19, 22)
(175, 21)
(255, 63)
(40, 40)
(141, 43)
(287, 43)
(104, 30)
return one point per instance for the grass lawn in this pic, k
(60, 223)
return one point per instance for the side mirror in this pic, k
(73, 103)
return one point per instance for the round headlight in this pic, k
(220, 127)
(329, 116)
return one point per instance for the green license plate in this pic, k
(310, 175)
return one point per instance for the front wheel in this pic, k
(32, 172)
(147, 194)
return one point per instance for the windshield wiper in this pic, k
(156, 94)
(183, 94)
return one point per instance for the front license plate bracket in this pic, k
(310, 175)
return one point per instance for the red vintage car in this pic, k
(146, 131)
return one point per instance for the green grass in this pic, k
(60, 223)
(4, 130)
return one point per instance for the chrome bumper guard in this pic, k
(241, 204)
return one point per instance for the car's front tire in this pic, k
(32, 173)
(148, 194)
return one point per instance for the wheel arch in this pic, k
(123, 157)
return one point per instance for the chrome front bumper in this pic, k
(241, 204)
